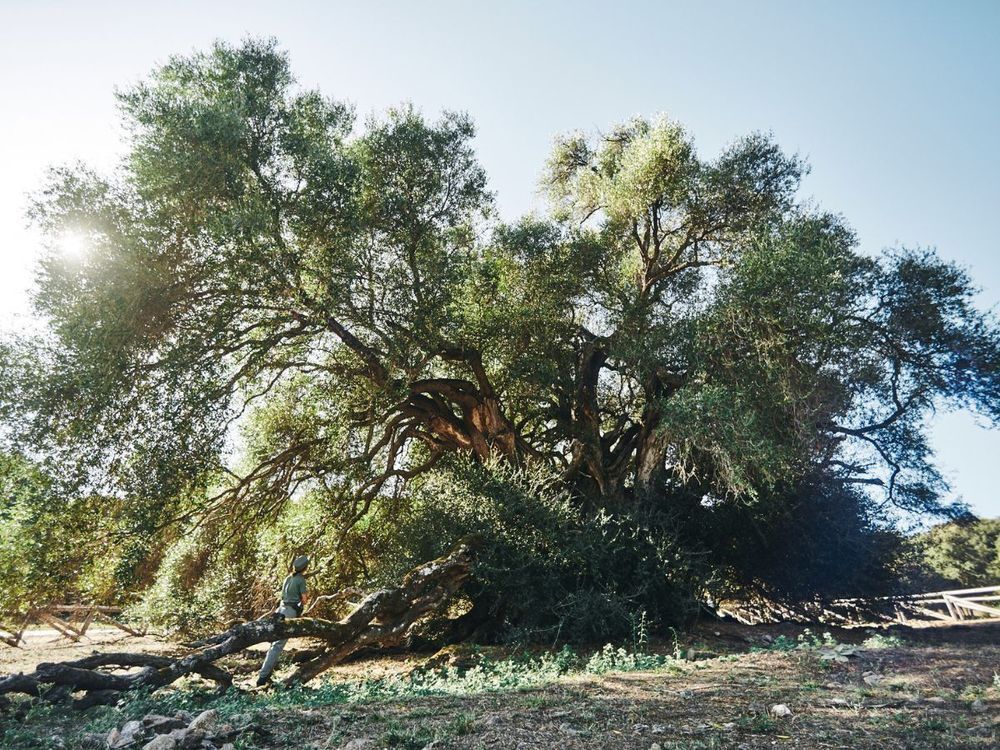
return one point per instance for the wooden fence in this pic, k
(956, 605)
(70, 621)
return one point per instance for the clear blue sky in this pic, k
(895, 104)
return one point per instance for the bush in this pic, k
(817, 540)
(184, 597)
(214, 574)
(546, 568)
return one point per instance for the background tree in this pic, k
(53, 551)
(965, 553)
(283, 309)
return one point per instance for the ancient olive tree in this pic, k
(679, 336)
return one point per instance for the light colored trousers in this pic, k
(271, 661)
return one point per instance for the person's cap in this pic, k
(300, 562)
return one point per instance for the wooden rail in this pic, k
(954, 605)
(70, 621)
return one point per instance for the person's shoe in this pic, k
(262, 681)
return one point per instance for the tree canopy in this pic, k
(282, 302)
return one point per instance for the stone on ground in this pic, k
(780, 709)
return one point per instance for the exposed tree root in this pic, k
(383, 618)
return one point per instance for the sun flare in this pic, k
(72, 244)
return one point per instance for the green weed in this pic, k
(879, 641)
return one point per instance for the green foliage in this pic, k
(785, 547)
(52, 550)
(208, 577)
(782, 643)
(188, 594)
(825, 647)
(545, 568)
(611, 659)
(962, 553)
(882, 641)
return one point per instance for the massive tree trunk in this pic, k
(607, 456)
(589, 451)
(383, 618)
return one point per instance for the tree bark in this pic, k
(588, 450)
(653, 442)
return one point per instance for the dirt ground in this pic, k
(939, 690)
(43, 646)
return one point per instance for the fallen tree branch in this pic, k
(383, 618)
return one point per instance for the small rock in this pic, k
(873, 679)
(161, 742)
(729, 726)
(780, 709)
(659, 728)
(187, 739)
(655, 746)
(228, 733)
(978, 706)
(767, 639)
(640, 728)
(358, 743)
(936, 700)
(163, 724)
(205, 721)
(567, 728)
(127, 735)
(838, 702)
